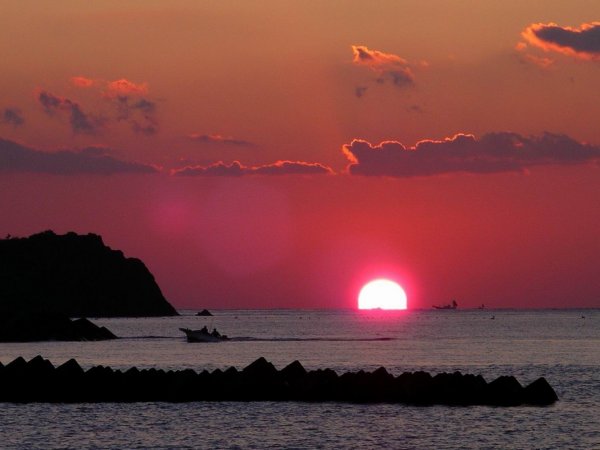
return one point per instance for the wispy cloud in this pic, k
(219, 140)
(128, 100)
(291, 168)
(139, 113)
(126, 87)
(492, 153)
(542, 62)
(360, 91)
(83, 82)
(387, 66)
(582, 42)
(15, 157)
(12, 116)
(375, 59)
(80, 121)
(132, 106)
(114, 88)
(236, 169)
(148, 126)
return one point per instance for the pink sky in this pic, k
(281, 154)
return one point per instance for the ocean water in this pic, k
(561, 345)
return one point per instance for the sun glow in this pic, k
(382, 294)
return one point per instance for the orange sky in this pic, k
(506, 216)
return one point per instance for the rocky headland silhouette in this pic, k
(37, 326)
(77, 276)
(38, 380)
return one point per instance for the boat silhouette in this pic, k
(203, 335)
(452, 305)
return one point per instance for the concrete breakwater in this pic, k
(38, 380)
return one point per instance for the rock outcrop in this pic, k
(76, 275)
(38, 380)
(32, 327)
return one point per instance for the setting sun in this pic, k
(382, 294)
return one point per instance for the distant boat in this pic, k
(482, 306)
(203, 335)
(453, 305)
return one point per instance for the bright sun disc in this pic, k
(382, 294)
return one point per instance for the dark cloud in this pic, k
(359, 91)
(95, 151)
(493, 153)
(15, 157)
(49, 101)
(148, 126)
(401, 78)
(144, 105)
(139, 113)
(415, 109)
(12, 116)
(219, 140)
(121, 103)
(582, 42)
(236, 169)
(80, 122)
(128, 107)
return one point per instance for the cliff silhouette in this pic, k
(75, 275)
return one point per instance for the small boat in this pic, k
(453, 305)
(203, 335)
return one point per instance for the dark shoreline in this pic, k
(38, 380)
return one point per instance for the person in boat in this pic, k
(215, 333)
(204, 330)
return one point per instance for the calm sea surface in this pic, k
(561, 345)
